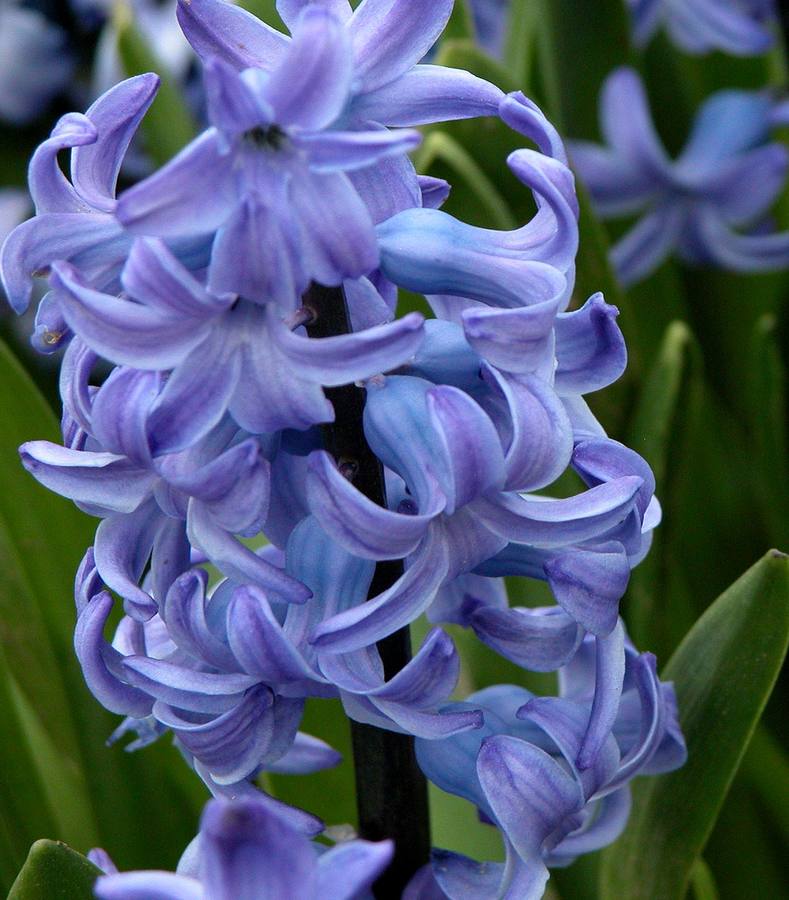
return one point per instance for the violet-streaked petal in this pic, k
(523, 115)
(530, 794)
(347, 870)
(95, 243)
(259, 643)
(390, 36)
(347, 151)
(347, 358)
(338, 233)
(290, 10)
(188, 689)
(541, 639)
(516, 340)
(216, 28)
(609, 678)
(120, 411)
(100, 479)
(540, 440)
(590, 348)
(471, 446)
(601, 460)
(153, 276)
(551, 523)
(354, 521)
(458, 599)
(116, 115)
(396, 607)
(121, 331)
(428, 94)
(307, 755)
(309, 86)
(192, 194)
(94, 654)
(232, 105)
(246, 845)
(147, 886)
(589, 583)
(50, 190)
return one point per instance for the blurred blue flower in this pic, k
(739, 27)
(246, 850)
(709, 205)
(36, 62)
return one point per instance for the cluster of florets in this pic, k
(203, 448)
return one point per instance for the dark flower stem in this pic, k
(391, 791)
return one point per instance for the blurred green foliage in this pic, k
(704, 400)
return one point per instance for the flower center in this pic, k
(271, 137)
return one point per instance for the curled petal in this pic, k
(101, 663)
(115, 115)
(358, 524)
(49, 188)
(542, 640)
(551, 523)
(590, 348)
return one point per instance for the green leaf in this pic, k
(168, 125)
(53, 871)
(723, 672)
(461, 23)
(520, 41)
(766, 769)
(703, 882)
(768, 427)
(60, 776)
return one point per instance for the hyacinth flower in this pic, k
(215, 490)
(490, 23)
(245, 851)
(228, 672)
(35, 62)
(695, 205)
(523, 770)
(266, 375)
(739, 27)
(75, 220)
(275, 162)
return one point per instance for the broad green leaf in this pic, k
(168, 125)
(266, 10)
(766, 769)
(581, 42)
(768, 427)
(53, 871)
(464, 54)
(520, 40)
(703, 882)
(84, 792)
(723, 672)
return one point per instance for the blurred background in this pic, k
(704, 400)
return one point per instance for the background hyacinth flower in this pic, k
(694, 205)
(245, 851)
(35, 62)
(523, 772)
(739, 27)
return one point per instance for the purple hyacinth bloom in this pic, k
(246, 851)
(75, 220)
(490, 22)
(739, 27)
(212, 492)
(694, 205)
(458, 498)
(227, 671)
(274, 163)
(224, 353)
(524, 772)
